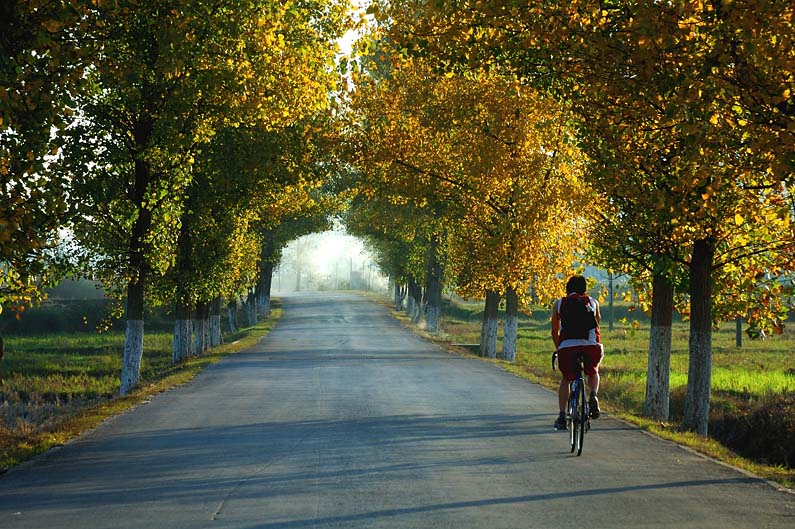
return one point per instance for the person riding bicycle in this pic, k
(575, 332)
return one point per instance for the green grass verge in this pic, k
(55, 388)
(754, 384)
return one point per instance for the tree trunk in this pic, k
(699, 374)
(182, 348)
(134, 334)
(138, 264)
(488, 333)
(738, 332)
(434, 293)
(610, 313)
(511, 325)
(216, 338)
(265, 280)
(398, 301)
(251, 309)
(182, 333)
(201, 328)
(658, 374)
(133, 338)
(206, 328)
(264, 286)
(231, 314)
(415, 291)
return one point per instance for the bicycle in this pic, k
(577, 413)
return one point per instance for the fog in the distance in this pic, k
(331, 260)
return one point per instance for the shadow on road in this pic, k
(314, 522)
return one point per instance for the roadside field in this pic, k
(53, 387)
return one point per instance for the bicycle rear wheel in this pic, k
(571, 415)
(581, 417)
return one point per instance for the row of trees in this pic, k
(491, 145)
(476, 174)
(652, 138)
(176, 141)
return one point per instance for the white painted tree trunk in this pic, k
(182, 341)
(699, 373)
(231, 314)
(416, 314)
(491, 338)
(216, 338)
(488, 335)
(396, 289)
(265, 305)
(658, 373)
(511, 329)
(263, 290)
(432, 319)
(251, 310)
(433, 290)
(415, 292)
(215, 330)
(200, 332)
(133, 352)
(206, 330)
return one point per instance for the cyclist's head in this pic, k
(576, 285)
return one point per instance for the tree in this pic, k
(492, 162)
(646, 80)
(41, 68)
(399, 234)
(167, 76)
(657, 112)
(753, 60)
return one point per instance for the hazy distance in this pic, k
(331, 260)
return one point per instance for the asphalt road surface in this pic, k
(342, 418)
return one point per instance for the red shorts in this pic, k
(567, 360)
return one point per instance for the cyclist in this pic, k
(575, 331)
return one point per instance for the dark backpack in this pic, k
(577, 317)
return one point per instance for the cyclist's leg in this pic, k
(567, 365)
(593, 383)
(563, 394)
(594, 356)
(567, 375)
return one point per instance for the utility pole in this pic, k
(610, 301)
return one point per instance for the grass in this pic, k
(55, 387)
(753, 387)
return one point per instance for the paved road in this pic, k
(342, 418)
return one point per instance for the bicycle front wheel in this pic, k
(581, 418)
(571, 416)
(572, 434)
